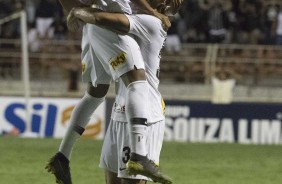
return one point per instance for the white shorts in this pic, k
(107, 55)
(116, 148)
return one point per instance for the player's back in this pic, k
(150, 36)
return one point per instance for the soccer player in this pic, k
(114, 56)
(116, 148)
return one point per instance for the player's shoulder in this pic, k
(149, 18)
(148, 22)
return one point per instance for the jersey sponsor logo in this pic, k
(119, 108)
(118, 61)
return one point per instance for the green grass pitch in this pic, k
(22, 161)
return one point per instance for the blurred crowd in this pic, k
(45, 20)
(199, 21)
(230, 21)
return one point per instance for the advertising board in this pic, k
(48, 117)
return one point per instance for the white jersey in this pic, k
(150, 36)
(118, 6)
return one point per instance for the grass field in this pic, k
(22, 161)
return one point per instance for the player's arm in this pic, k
(113, 21)
(73, 24)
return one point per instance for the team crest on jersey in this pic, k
(83, 68)
(119, 60)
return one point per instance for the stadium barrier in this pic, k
(186, 121)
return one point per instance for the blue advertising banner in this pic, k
(246, 123)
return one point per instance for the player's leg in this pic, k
(111, 178)
(122, 155)
(94, 96)
(154, 145)
(81, 114)
(136, 114)
(115, 153)
(136, 109)
(59, 163)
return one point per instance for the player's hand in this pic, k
(73, 23)
(165, 20)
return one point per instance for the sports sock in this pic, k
(79, 118)
(136, 114)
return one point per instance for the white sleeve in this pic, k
(131, 23)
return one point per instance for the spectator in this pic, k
(5, 8)
(222, 87)
(270, 13)
(58, 29)
(173, 43)
(30, 7)
(8, 32)
(33, 38)
(218, 22)
(250, 23)
(195, 17)
(279, 27)
(45, 14)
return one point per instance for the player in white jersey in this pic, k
(116, 148)
(113, 59)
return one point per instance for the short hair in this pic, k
(172, 5)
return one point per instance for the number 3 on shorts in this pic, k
(126, 154)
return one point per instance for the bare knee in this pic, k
(98, 92)
(133, 75)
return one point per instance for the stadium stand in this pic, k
(251, 54)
